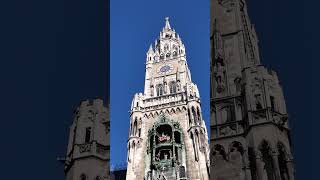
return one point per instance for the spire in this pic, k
(167, 23)
(150, 51)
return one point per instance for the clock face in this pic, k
(167, 68)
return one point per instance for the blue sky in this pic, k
(134, 26)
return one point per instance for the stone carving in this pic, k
(84, 148)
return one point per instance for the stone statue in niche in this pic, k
(237, 82)
(258, 101)
(151, 90)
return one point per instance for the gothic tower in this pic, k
(88, 147)
(249, 123)
(167, 137)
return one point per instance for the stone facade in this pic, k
(167, 137)
(250, 136)
(88, 147)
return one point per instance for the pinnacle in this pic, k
(167, 23)
(150, 49)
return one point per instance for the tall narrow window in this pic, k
(173, 87)
(272, 103)
(88, 134)
(159, 90)
(199, 116)
(135, 124)
(194, 147)
(194, 115)
(189, 115)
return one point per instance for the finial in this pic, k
(167, 23)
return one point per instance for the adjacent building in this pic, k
(88, 149)
(250, 136)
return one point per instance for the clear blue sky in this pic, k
(134, 26)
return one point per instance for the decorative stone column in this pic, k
(259, 165)
(246, 165)
(290, 169)
(276, 164)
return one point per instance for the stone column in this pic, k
(275, 163)
(290, 169)
(246, 165)
(259, 166)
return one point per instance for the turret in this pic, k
(88, 144)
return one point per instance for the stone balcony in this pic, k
(91, 149)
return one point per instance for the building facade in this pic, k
(88, 149)
(250, 136)
(167, 137)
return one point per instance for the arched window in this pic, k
(173, 87)
(189, 115)
(199, 116)
(265, 150)
(182, 171)
(194, 115)
(194, 147)
(282, 160)
(129, 152)
(135, 124)
(160, 89)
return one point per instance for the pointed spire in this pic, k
(150, 51)
(167, 23)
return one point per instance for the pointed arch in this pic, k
(83, 177)
(190, 118)
(184, 108)
(283, 157)
(135, 126)
(218, 149)
(194, 115)
(173, 87)
(266, 150)
(194, 146)
(236, 146)
(198, 115)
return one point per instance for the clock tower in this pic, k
(167, 137)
